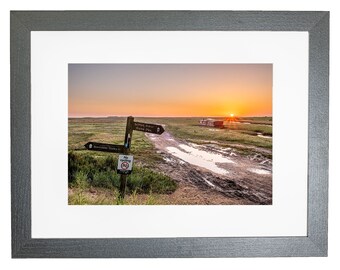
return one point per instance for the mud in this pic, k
(216, 174)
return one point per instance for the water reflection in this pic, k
(200, 158)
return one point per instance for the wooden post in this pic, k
(127, 144)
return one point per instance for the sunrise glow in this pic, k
(174, 90)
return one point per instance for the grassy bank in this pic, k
(86, 172)
(103, 196)
(233, 133)
(111, 130)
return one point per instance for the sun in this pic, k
(231, 115)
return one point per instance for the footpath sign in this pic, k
(104, 147)
(125, 160)
(150, 128)
(124, 164)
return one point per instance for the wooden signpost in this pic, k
(127, 145)
(125, 161)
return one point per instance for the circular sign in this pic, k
(124, 165)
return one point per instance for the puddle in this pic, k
(172, 160)
(237, 122)
(166, 159)
(209, 183)
(208, 141)
(216, 148)
(263, 136)
(259, 171)
(267, 161)
(256, 157)
(200, 158)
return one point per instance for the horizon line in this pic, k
(148, 116)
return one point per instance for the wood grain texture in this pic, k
(318, 127)
(316, 23)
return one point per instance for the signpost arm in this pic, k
(125, 149)
(127, 145)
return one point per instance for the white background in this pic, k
(50, 54)
(332, 262)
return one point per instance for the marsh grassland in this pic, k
(187, 164)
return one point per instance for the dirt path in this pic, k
(210, 174)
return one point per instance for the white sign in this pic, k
(124, 164)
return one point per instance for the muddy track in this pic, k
(217, 170)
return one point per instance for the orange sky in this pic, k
(170, 90)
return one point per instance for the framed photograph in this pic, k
(169, 133)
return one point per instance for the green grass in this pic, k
(109, 130)
(233, 133)
(111, 197)
(88, 171)
(258, 120)
(112, 130)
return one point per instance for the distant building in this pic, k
(211, 122)
(232, 119)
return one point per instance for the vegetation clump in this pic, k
(86, 171)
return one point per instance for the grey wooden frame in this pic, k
(317, 25)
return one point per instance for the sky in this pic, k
(165, 90)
